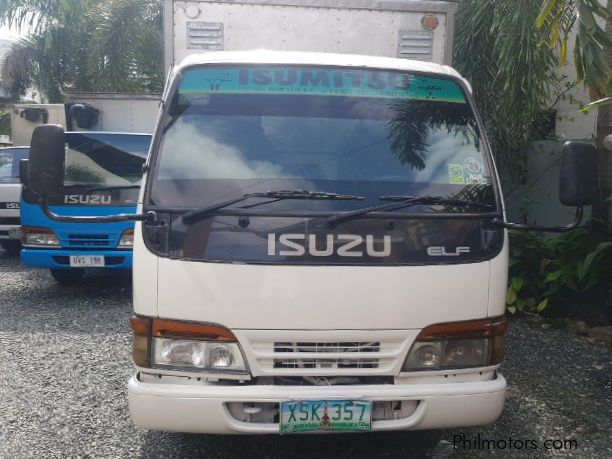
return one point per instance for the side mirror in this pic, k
(578, 174)
(45, 174)
(23, 171)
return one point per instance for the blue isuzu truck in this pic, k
(102, 176)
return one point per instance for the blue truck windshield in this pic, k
(237, 130)
(105, 160)
(103, 168)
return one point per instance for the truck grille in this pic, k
(89, 240)
(9, 221)
(327, 355)
(287, 353)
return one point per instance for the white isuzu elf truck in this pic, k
(321, 246)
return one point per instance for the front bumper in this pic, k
(202, 408)
(60, 258)
(10, 232)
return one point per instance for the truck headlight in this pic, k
(191, 355)
(179, 353)
(36, 236)
(468, 344)
(127, 239)
(185, 346)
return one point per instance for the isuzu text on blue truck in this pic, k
(103, 172)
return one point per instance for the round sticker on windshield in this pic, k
(473, 166)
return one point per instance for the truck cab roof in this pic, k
(263, 56)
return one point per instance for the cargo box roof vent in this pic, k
(415, 44)
(205, 35)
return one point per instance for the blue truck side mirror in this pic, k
(45, 171)
(23, 171)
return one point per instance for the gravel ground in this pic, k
(64, 361)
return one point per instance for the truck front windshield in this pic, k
(103, 168)
(104, 159)
(235, 130)
(9, 163)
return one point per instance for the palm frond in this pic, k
(85, 45)
(605, 102)
(28, 15)
(19, 68)
(557, 18)
(126, 46)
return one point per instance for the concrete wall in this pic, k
(539, 204)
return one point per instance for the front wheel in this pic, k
(11, 246)
(68, 276)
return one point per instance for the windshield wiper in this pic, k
(109, 187)
(278, 195)
(399, 202)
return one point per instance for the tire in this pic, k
(11, 246)
(68, 276)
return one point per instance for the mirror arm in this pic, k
(551, 229)
(147, 216)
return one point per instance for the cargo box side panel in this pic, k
(393, 32)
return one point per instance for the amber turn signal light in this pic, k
(163, 328)
(483, 328)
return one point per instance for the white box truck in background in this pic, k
(25, 117)
(107, 112)
(115, 112)
(321, 243)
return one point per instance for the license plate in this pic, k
(325, 415)
(87, 261)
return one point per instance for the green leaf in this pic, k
(595, 253)
(555, 275)
(517, 283)
(545, 12)
(542, 305)
(597, 104)
(581, 271)
(512, 309)
(510, 296)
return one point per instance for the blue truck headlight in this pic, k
(127, 239)
(37, 236)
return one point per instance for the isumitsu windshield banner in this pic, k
(317, 81)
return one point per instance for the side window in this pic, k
(6, 164)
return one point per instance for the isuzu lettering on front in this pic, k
(320, 247)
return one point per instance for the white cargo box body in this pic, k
(25, 117)
(120, 112)
(410, 29)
